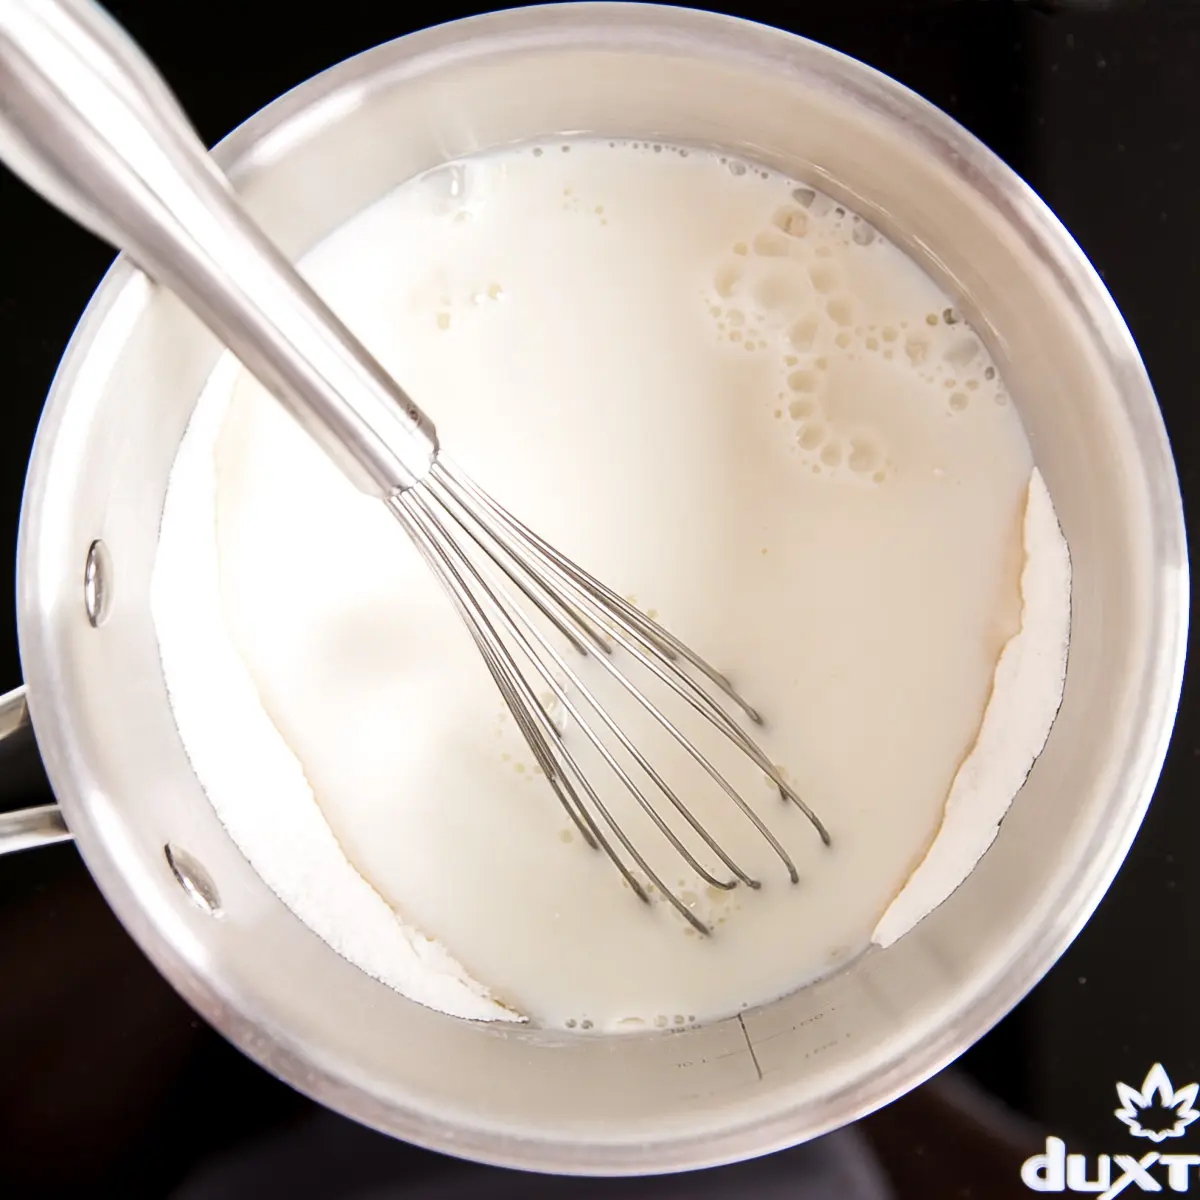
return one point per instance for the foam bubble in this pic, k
(793, 221)
(778, 292)
(804, 381)
(803, 332)
(917, 349)
(824, 276)
(630, 1023)
(863, 455)
(841, 309)
(962, 352)
(726, 280)
(811, 436)
(770, 244)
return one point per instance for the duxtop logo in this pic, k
(1157, 1112)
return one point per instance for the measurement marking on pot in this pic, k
(821, 1048)
(750, 1046)
(790, 1029)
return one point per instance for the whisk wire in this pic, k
(521, 629)
(634, 632)
(621, 610)
(446, 560)
(457, 513)
(589, 616)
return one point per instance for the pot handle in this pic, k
(27, 827)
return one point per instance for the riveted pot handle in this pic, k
(25, 828)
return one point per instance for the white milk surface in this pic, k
(740, 407)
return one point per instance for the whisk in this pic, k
(87, 122)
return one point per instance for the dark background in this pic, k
(109, 1085)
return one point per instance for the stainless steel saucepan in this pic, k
(519, 1097)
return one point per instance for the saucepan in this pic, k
(661, 1101)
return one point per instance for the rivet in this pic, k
(97, 583)
(194, 880)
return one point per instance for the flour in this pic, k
(1026, 692)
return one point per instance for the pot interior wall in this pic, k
(794, 1067)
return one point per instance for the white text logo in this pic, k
(1157, 1112)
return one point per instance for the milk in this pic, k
(743, 409)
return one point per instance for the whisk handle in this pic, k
(87, 121)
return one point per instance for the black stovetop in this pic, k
(110, 1085)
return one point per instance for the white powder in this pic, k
(1026, 693)
(254, 781)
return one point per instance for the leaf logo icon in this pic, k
(1157, 1092)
